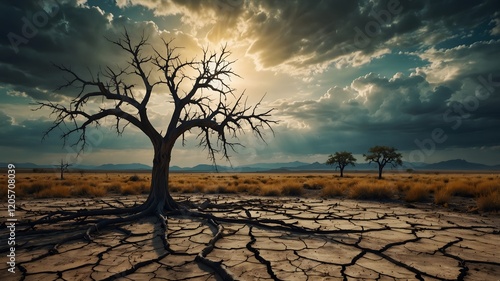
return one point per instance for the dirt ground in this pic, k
(262, 238)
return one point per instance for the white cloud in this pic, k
(460, 62)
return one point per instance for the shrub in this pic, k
(174, 187)
(68, 183)
(218, 189)
(332, 191)
(224, 189)
(130, 190)
(250, 188)
(292, 190)
(442, 196)
(57, 191)
(417, 193)
(490, 202)
(143, 188)
(114, 188)
(315, 184)
(134, 178)
(461, 188)
(250, 181)
(35, 188)
(486, 187)
(269, 191)
(371, 190)
(135, 189)
(88, 191)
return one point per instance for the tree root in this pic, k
(220, 219)
(202, 256)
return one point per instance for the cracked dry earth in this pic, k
(231, 237)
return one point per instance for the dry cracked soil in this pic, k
(231, 237)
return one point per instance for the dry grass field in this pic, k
(469, 192)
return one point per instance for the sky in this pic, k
(422, 76)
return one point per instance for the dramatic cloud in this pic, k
(314, 34)
(74, 36)
(395, 111)
(341, 74)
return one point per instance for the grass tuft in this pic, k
(489, 203)
(292, 190)
(442, 196)
(88, 191)
(331, 191)
(417, 193)
(58, 191)
(269, 191)
(371, 191)
(134, 178)
(461, 188)
(36, 188)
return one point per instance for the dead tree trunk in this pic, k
(159, 194)
(219, 120)
(63, 167)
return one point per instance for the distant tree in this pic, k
(341, 160)
(63, 167)
(383, 155)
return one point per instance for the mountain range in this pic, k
(455, 164)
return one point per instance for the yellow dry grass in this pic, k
(418, 192)
(440, 189)
(372, 190)
(442, 196)
(489, 202)
(334, 190)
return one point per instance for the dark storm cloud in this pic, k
(76, 37)
(323, 31)
(457, 40)
(27, 134)
(73, 36)
(395, 111)
(371, 103)
(307, 33)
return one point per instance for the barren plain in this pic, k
(308, 235)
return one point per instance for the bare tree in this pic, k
(210, 105)
(383, 155)
(63, 167)
(341, 160)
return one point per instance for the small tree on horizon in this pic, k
(341, 159)
(63, 167)
(383, 155)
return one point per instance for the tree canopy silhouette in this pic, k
(341, 160)
(383, 155)
(209, 105)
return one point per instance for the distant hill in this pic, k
(121, 167)
(26, 165)
(104, 167)
(455, 164)
(458, 164)
(294, 164)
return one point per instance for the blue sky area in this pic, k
(422, 76)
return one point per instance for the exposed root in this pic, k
(194, 237)
(219, 269)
